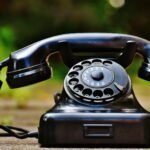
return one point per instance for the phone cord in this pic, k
(17, 132)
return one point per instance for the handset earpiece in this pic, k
(28, 66)
(29, 75)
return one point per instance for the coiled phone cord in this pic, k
(17, 132)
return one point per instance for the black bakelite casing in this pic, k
(100, 129)
(113, 120)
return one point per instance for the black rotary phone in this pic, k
(97, 106)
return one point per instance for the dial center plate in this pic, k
(97, 76)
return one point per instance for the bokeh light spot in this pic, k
(117, 3)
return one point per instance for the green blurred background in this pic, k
(23, 22)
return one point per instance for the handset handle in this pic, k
(80, 43)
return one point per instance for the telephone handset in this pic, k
(29, 65)
(97, 99)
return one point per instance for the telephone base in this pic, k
(94, 129)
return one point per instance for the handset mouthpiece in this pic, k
(144, 71)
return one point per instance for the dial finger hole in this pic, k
(78, 88)
(98, 94)
(73, 74)
(108, 92)
(107, 62)
(77, 68)
(73, 81)
(86, 63)
(87, 92)
(96, 61)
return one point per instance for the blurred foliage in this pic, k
(6, 41)
(27, 21)
(6, 120)
(32, 20)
